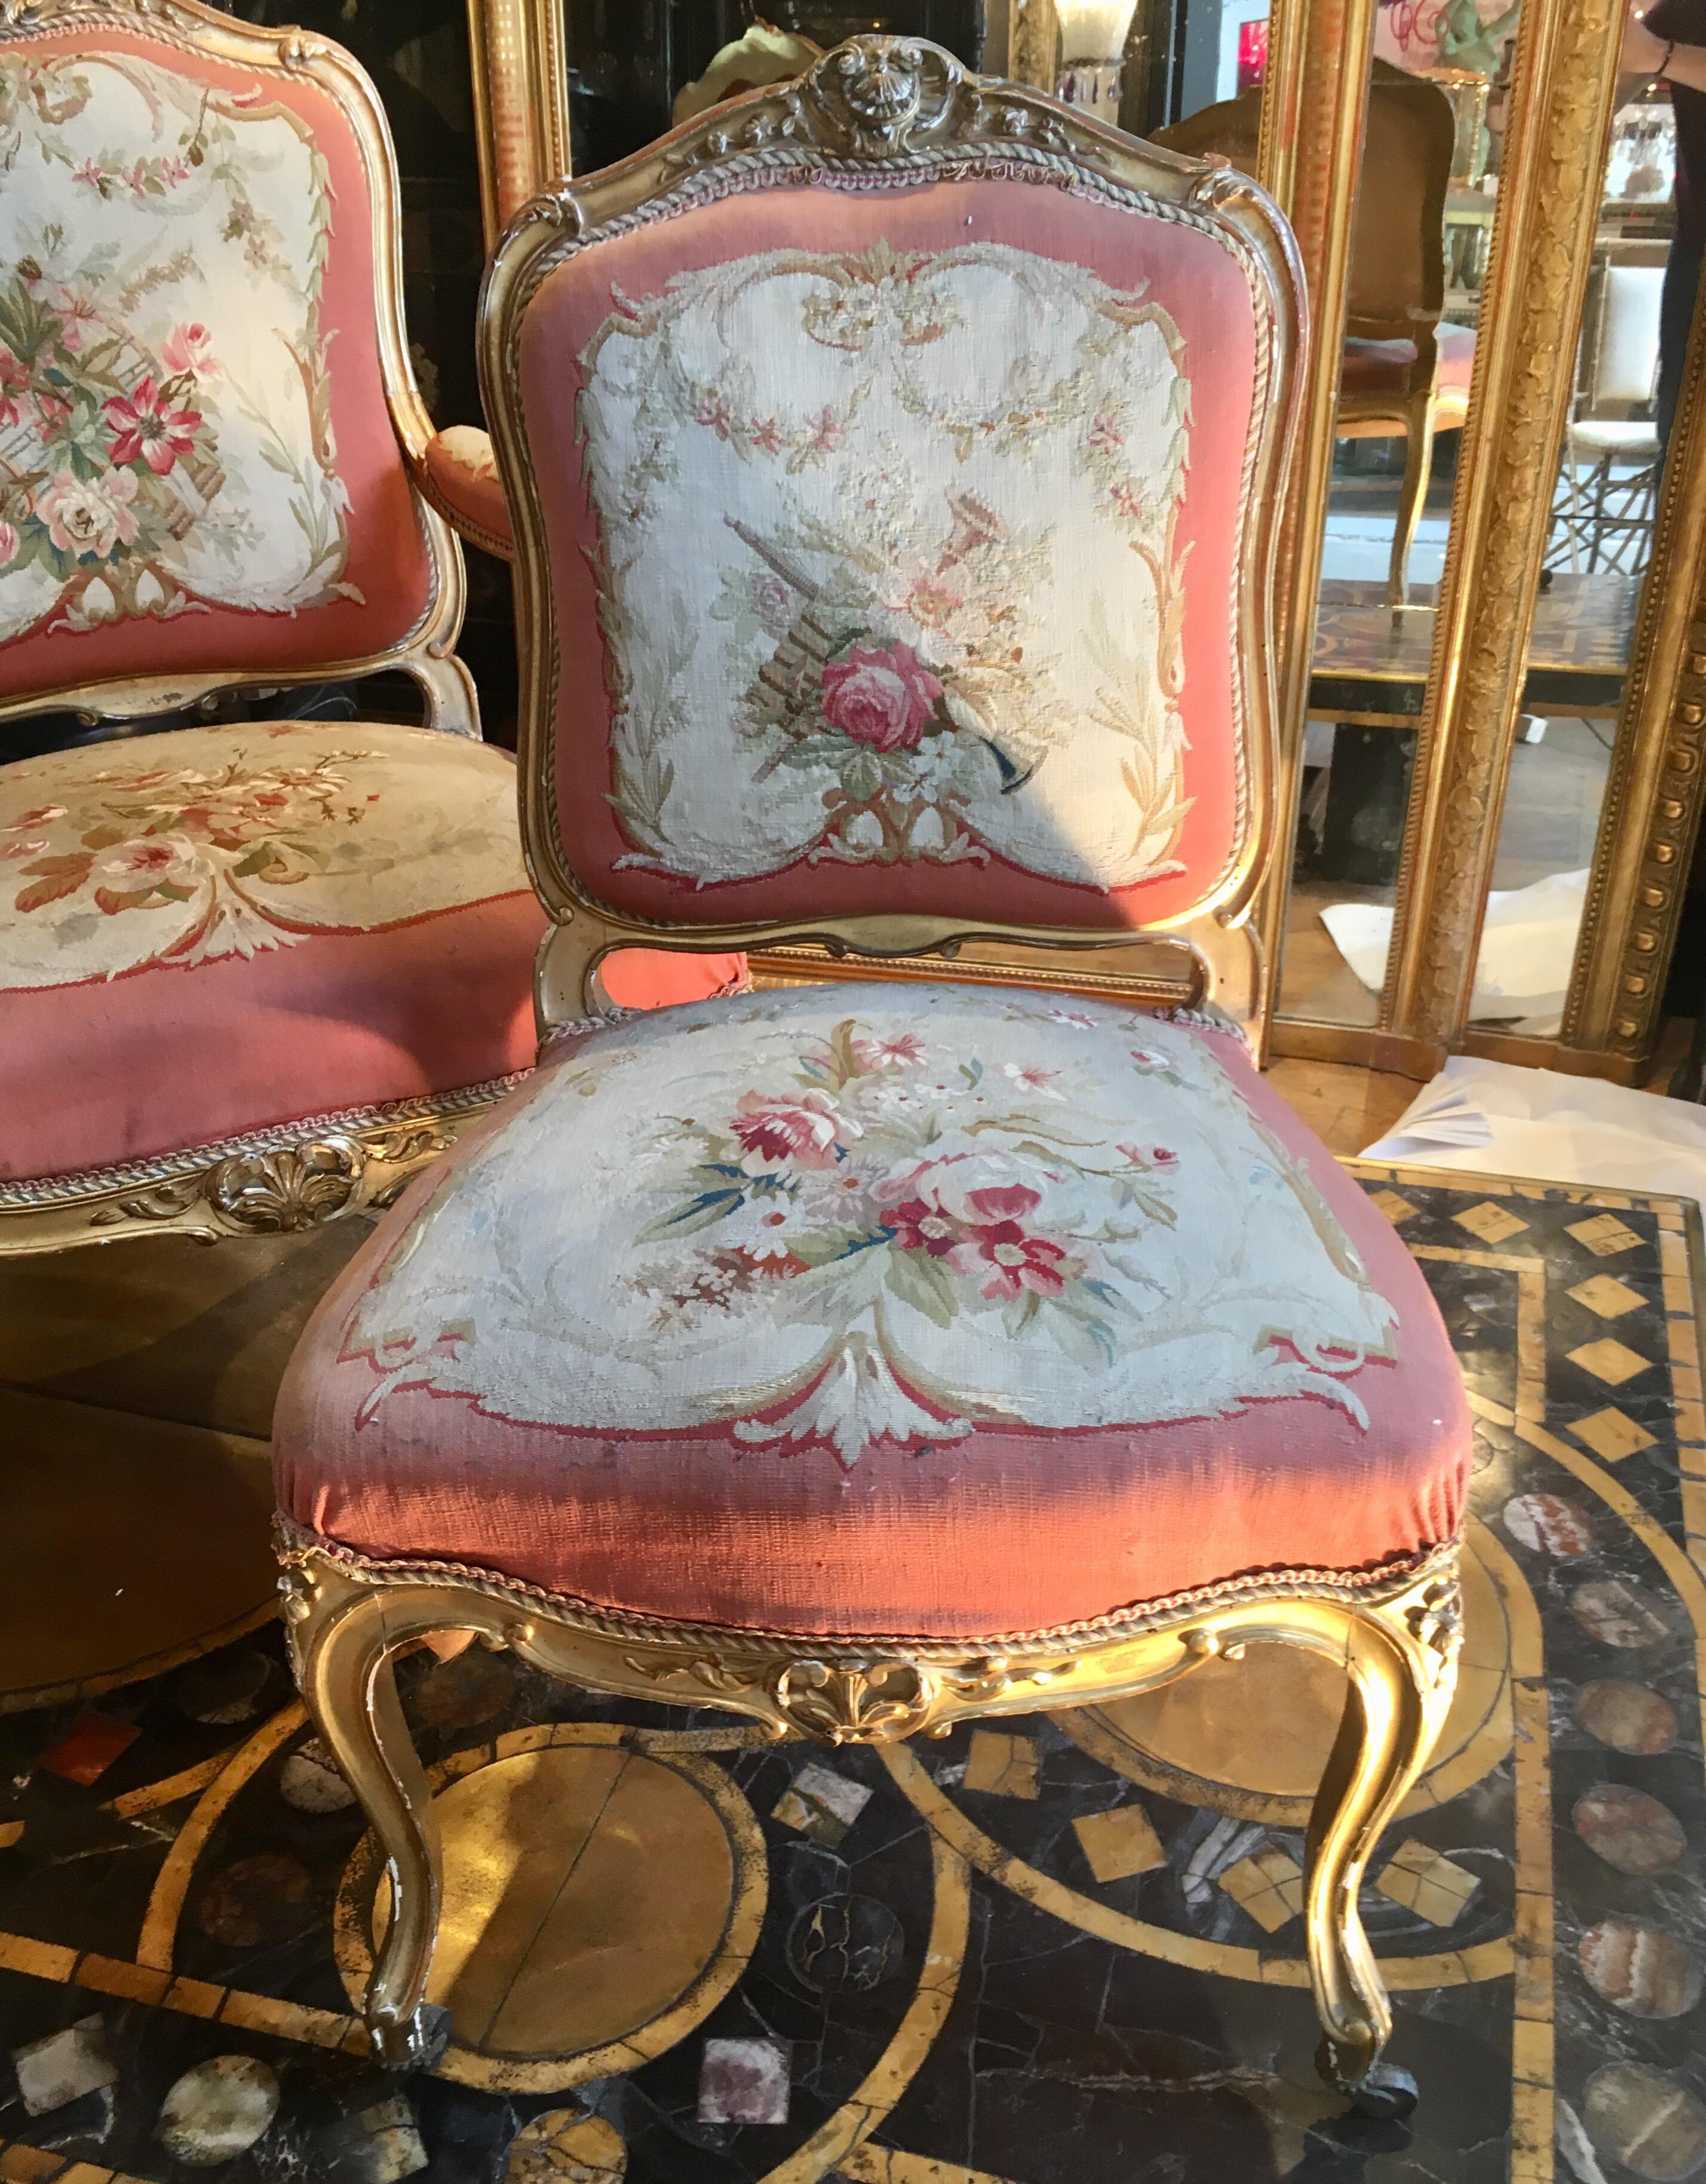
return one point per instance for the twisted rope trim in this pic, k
(1368, 1586)
(162, 1168)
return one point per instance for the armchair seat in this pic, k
(215, 932)
(1383, 367)
(862, 1311)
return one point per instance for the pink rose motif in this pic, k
(882, 695)
(1004, 1202)
(90, 515)
(150, 860)
(781, 1132)
(8, 544)
(189, 347)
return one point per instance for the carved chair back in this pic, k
(203, 376)
(896, 457)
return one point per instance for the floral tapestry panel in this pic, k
(166, 438)
(204, 843)
(826, 1220)
(888, 567)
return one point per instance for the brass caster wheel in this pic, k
(415, 2044)
(1381, 2093)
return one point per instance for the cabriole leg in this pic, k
(346, 1654)
(1400, 1658)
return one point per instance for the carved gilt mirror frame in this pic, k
(1312, 118)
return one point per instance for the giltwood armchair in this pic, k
(895, 459)
(251, 977)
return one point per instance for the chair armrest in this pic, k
(456, 473)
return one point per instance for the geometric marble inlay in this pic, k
(1423, 1881)
(660, 1926)
(1492, 1223)
(1269, 1886)
(1119, 1842)
(1610, 1433)
(1003, 1766)
(1604, 1235)
(1608, 1360)
(1606, 1295)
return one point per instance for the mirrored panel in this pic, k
(1426, 203)
(637, 68)
(1598, 558)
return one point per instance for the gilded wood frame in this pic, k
(427, 653)
(1653, 794)
(1549, 195)
(1563, 82)
(901, 107)
(270, 1182)
(1396, 1636)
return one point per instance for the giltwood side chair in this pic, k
(251, 977)
(895, 459)
(1403, 374)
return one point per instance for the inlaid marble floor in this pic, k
(1063, 1951)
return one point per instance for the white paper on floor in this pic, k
(1528, 945)
(1496, 1119)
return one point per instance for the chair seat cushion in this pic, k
(875, 1310)
(218, 930)
(1375, 367)
(1383, 367)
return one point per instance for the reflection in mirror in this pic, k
(637, 68)
(1425, 210)
(1598, 548)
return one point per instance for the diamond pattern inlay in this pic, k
(1609, 1360)
(1425, 1881)
(1119, 1842)
(1611, 1434)
(1604, 1235)
(1269, 1886)
(1492, 1223)
(1606, 1295)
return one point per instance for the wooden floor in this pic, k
(1347, 1108)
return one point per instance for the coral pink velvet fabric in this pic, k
(1005, 1531)
(388, 560)
(460, 471)
(1196, 279)
(174, 1055)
